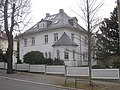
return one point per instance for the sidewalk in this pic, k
(55, 79)
(36, 77)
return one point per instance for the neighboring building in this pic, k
(57, 36)
(4, 45)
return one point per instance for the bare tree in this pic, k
(90, 9)
(14, 17)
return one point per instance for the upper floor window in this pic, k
(42, 25)
(33, 40)
(72, 36)
(55, 37)
(58, 54)
(25, 42)
(46, 38)
(66, 55)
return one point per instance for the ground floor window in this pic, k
(49, 54)
(66, 55)
(58, 54)
(45, 54)
(85, 56)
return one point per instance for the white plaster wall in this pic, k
(40, 45)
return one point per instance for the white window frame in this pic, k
(72, 36)
(49, 54)
(46, 38)
(46, 55)
(33, 41)
(55, 37)
(85, 56)
(25, 42)
(73, 54)
(58, 54)
(66, 55)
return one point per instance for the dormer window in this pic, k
(56, 21)
(51, 17)
(42, 25)
(73, 21)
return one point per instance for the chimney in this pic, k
(47, 14)
(61, 11)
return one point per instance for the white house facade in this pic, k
(57, 36)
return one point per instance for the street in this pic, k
(17, 84)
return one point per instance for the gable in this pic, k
(65, 40)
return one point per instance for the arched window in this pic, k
(45, 54)
(49, 54)
(58, 54)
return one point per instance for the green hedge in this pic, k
(36, 57)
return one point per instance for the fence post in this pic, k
(15, 66)
(4, 65)
(45, 69)
(65, 70)
(119, 74)
(29, 68)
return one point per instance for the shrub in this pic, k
(116, 64)
(34, 57)
(3, 57)
(100, 67)
(58, 62)
(19, 61)
(49, 61)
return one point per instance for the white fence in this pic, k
(37, 68)
(77, 71)
(2, 65)
(67, 71)
(55, 69)
(23, 67)
(105, 74)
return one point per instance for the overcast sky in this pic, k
(41, 7)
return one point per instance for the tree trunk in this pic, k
(89, 40)
(10, 54)
(9, 36)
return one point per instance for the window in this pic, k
(72, 36)
(66, 55)
(33, 40)
(58, 54)
(42, 25)
(85, 56)
(49, 54)
(73, 54)
(25, 42)
(56, 21)
(46, 38)
(45, 54)
(55, 37)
